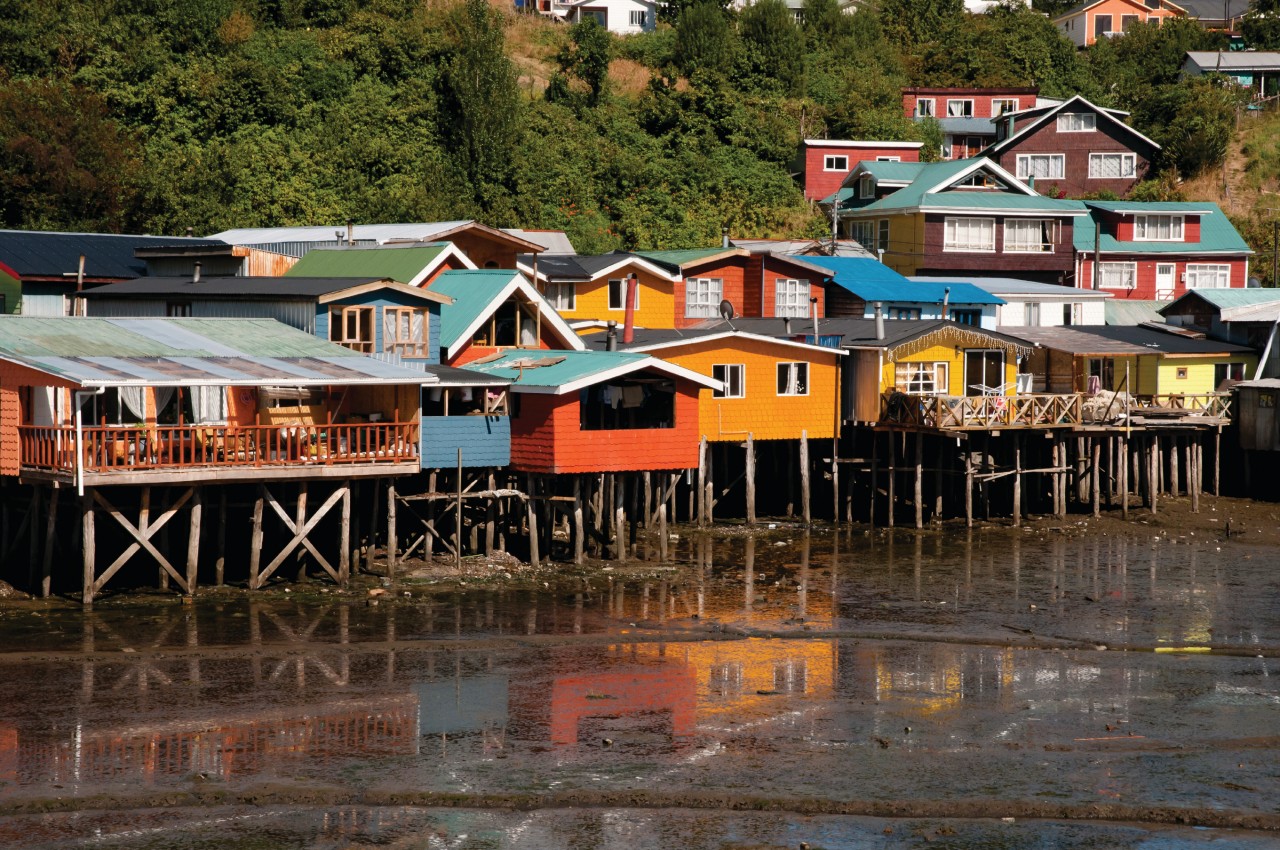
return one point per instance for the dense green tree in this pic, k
(1261, 25)
(915, 22)
(704, 39)
(772, 56)
(585, 58)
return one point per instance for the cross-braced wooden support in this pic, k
(300, 526)
(141, 532)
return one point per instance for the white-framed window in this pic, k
(1158, 228)
(1031, 314)
(733, 376)
(1117, 275)
(618, 294)
(903, 313)
(1208, 276)
(921, 378)
(638, 18)
(562, 296)
(882, 237)
(793, 379)
(1112, 165)
(888, 159)
(404, 331)
(702, 296)
(864, 233)
(960, 108)
(1042, 166)
(866, 186)
(1001, 105)
(833, 162)
(1029, 235)
(969, 234)
(792, 297)
(1077, 122)
(1127, 21)
(926, 107)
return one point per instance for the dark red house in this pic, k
(826, 162)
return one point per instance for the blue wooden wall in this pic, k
(484, 440)
(380, 300)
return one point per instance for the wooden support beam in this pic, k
(300, 517)
(620, 516)
(89, 545)
(142, 534)
(1017, 480)
(968, 489)
(1096, 476)
(193, 539)
(702, 483)
(647, 484)
(579, 531)
(531, 516)
(875, 475)
(393, 539)
(50, 532)
(893, 477)
(751, 478)
(255, 542)
(662, 533)
(918, 495)
(344, 536)
(301, 533)
(835, 480)
(220, 560)
(489, 519)
(806, 491)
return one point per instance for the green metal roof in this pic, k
(562, 367)
(1128, 311)
(893, 171)
(102, 337)
(399, 264)
(1216, 232)
(1225, 299)
(474, 292)
(1000, 201)
(928, 176)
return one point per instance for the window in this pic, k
(1230, 372)
(1157, 228)
(1077, 122)
(960, 108)
(178, 309)
(1068, 315)
(1127, 21)
(866, 186)
(618, 294)
(638, 18)
(835, 163)
(1117, 275)
(1042, 166)
(404, 331)
(642, 401)
(925, 107)
(1001, 105)
(1101, 25)
(921, 378)
(864, 233)
(969, 234)
(1205, 276)
(702, 297)
(1104, 369)
(1028, 235)
(904, 313)
(888, 159)
(511, 325)
(562, 296)
(1112, 165)
(732, 375)
(1031, 313)
(793, 379)
(967, 317)
(1181, 373)
(882, 243)
(352, 327)
(792, 297)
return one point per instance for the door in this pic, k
(1166, 277)
(984, 372)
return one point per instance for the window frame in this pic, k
(882, 235)
(355, 343)
(802, 291)
(727, 371)
(950, 244)
(622, 293)
(913, 376)
(1042, 247)
(631, 17)
(1003, 102)
(866, 187)
(1131, 265)
(965, 113)
(933, 107)
(1176, 221)
(801, 370)
(558, 288)
(1024, 160)
(1220, 271)
(829, 160)
(409, 347)
(1066, 126)
(1125, 157)
(867, 227)
(1031, 314)
(699, 307)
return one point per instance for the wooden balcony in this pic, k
(1050, 410)
(191, 453)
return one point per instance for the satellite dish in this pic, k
(726, 310)
(1253, 283)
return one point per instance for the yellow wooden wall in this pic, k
(1200, 370)
(762, 412)
(955, 368)
(657, 308)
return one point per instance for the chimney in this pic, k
(629, 325)
(611, 337)
(724, 239)
(813, 305)
(351, 232)
(879, 320)
(195, 274)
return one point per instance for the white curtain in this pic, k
(209, 405)
(389, 334)
(164, 395)
(43, 410)
(134, 399)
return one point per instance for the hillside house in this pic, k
(965, 114)
(593, 289)
(825, 163)
(1258, 70)
(1094, 19)
(1241, 316)
(621, 17)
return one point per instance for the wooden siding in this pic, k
(484, 440)
(732, 271)
(547, 437)
(449, 265)
(486, 251)
(1080, 26)
(762, 412)
(1052, 266)
(772, 269)
(982, 99)
(656, 307)
(1146, 289)
(1076, 148)
(819, 183)
(380, 300)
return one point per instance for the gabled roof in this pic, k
(42, 254)
(561, 372)
(1131, 311)
(1089, 4)
(576, 267)
(477, 293)
(1226, 301)
(410, 264)
(871, 280)
(319, 289)
(1214, 10)
(662, 340)
(1072, 104)
(900, 336)
(1217, 234)
(188, 352)
(552, 241)
(934, 188)
(677, 261)
(1227, 62)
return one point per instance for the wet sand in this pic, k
(1083, 683)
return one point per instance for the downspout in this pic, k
(81, 396)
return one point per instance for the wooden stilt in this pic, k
(938, 481)
(702, 483)
(457, 516)
(918, 496)
(579, 530)
(531, 517)
(220, 561)
(299, 519)
(89, 548)
(344, 537)
(893, 477)
(1123, 468)
(620, 517)
(255, 542)
(50, 532)
(751, 479)
(489, 519)
(1082, 484)
(1173, 466)
(1053, 476)
(805, 484)
(875, 475)
(835, 480)
(193, 539)
(1017, 480)
(1217, 460)
(968, 489)
(646, 482)
(1096, 476)
(33, 533)
(709, 497)
(1153, 475)
(662, 533)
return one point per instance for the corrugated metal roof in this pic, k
(1014, 286)
(552, 241)
(178, 352)
(33, 253)
(1225, 299)
(1127, 311)
(327, 233)
(967, 126)
(1228, 61)
(561, 372)
(1074, 341)
(1163, 341)
(872, 280)
(677, 260)
(474, 293)
(303, 288)
(1216, 233)
(402, 263)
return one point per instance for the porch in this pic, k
(1050, 410)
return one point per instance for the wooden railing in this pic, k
(1039, 410)
(176, 447)
(1212, 405)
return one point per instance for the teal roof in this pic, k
(1217, 234)
(893, 171)
(1225, 299)
(400, 264)
(1132, 311)
(928, 176)
(871, 280)
(474, 294)
(562, 367)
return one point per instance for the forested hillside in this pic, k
(163, 115)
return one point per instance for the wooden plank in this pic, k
(220, 561)
(193, 539)
(142, 534)
(300, 535)
(90, 546)
(806, 494)
(579, 541)
(751, 479)
(344, 537)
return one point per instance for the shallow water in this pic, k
(960, 679)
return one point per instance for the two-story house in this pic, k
(825, 163)
(965, 114)
(1094, 19)
(1073, 148)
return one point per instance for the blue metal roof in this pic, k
(871, 280)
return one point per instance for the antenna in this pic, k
(727, 313)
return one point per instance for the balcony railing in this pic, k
(110, 449)
(1044, 410)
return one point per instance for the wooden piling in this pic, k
(344, 537)
(393, 538)
(490, 517)
(579, 530)
(220, 560)
(919, 488)
(875, 475)
(457, 517)
(751, 479)
(702, 483)
(662, 533)
(646, 482)
(1173, 466)
(620, 519)
(1017, 480)
(255, 542)
(300, 518)
(893, 477)
(1123, 468)
(805, 492)
(50, 532)
(193, 539)
(531, 517)
(89, 547)
(1096, 476)
(835, 480)
(968, 489)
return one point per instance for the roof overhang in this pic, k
(404, 289)
(641, 365)
(519, 285)
(843, 143)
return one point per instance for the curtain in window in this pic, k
(43, 406)
(134, 399)
(209, 405)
